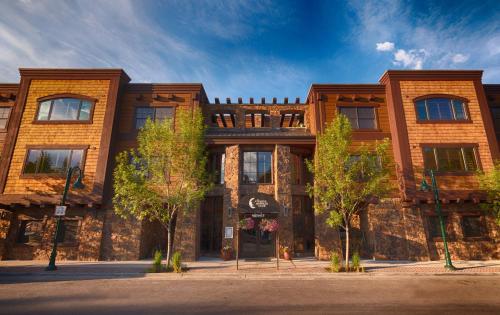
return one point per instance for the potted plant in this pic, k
(226, 253)
(286, 253)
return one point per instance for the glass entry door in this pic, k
(255, 243)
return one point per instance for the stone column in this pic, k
(283, 194)
(415, 234)
(91, 235)
(5, 222)
(186, 238)
(231, 192)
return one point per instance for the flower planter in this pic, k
(226, 255)
(287, 256)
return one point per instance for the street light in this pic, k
(425, 187)
(77, 185)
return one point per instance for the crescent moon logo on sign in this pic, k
(251, 204)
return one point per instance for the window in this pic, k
(435, 226)
(450, 159)
(30, 231)
(52, 161)
(495, 112)
(292, 120)
(257, 120)
(360, 117)
(156, 114)
(472, 226)
(68, 231)
(441, 109)
(257, 168)
(64, 109)
(4, 117)
(217, 166)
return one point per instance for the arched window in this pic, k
(65, 108)
(441, 108)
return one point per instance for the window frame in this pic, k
(356, 106)
(8, 117)
(154, 107)
(84, 148)
(54, 97)
(448, 225)
(22, 228)
(242, 169)
(464, 100)
(461, 146)
(482, 226)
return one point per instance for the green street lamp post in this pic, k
(425, 187)
(77, 185)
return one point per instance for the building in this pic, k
(59, 117)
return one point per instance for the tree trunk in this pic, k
(169, 243)
(347, 248)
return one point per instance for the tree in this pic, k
(490, 182)
(165, 175)
(345, 180)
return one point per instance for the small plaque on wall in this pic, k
(228, 232)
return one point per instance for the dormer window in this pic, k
(441, 109)
(224, 120)
(257, 120)
(292, 120)
(65, 109)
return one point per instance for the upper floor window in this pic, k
(360, 117)
(4, 117)
(458, 159)
(257, 120)
(441, 109)
(52, 161)
(292, 120)
(257, 167)
(153, 113)
(65, 109)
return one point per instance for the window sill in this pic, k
(62, 122)
(466, 121)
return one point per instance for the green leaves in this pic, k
(346, 174)
(166, 173)
(490, 182)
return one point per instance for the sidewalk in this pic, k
(210, 268)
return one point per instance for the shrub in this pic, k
(176, 262)
(334, 262)
(356, 261)
(157, 261)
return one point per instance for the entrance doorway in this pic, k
(211, 226)
(303, 226)
(256, 243)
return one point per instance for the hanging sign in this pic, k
(60, 210)
(258, 203)
(228, 232)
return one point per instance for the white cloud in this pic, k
(410, 59)
(385, 46)
(459, 58)
(439, 32)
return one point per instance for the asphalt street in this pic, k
(443, 294)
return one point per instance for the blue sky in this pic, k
(251, 48)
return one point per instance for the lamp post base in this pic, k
(51, 268)
(450, 267)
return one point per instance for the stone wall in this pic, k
(5, 222)
(231, 192)
(121, 239)
(187, 235)
(283, 194)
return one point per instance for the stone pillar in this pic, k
(387, 230)
(283, 194)
(231, 192)
(5, 222)
(91, 235)
(327, 239)
(121, 238)
(186, 239)
(415, 234)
